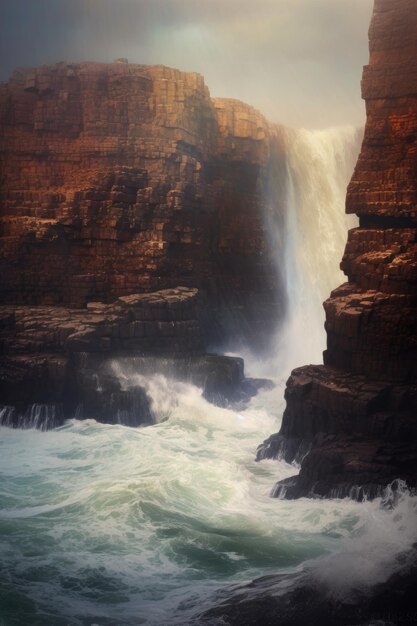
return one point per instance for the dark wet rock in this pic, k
(100, 396)
(37, 415)
(34, 378)
(298, 599)
(220, 377)
(351, 436)
(250, 387)
(86, 385)
(63, 357)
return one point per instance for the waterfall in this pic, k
(319, 167)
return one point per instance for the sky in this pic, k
(298, 61)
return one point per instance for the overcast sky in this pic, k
(298, 61)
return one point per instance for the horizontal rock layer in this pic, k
(160, 322)
(58, 363)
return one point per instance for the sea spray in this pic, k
(376, 549)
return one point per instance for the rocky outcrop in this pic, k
(301, 597)
(120, 179)
(162, 322)
(352, 435)
(352, 422)
(58, 363)
(118, 183)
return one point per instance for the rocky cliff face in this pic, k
(356, 415)
(118, 179)
(118, 183)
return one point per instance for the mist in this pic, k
(298, 61)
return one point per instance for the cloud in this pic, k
(298, 61)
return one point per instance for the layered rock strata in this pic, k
(58, 362)
(120, 179)
(164, 322)
(352, 422)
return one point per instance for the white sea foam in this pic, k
(150, 517)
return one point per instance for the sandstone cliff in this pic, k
(352, 422)
(120, 178)
(118, 183)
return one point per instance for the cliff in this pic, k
(119, 178)
(352, 422)
(119, 183)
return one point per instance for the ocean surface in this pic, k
(108, 525)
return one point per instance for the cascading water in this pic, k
(308, 243)
(319, 167)
(109, 525)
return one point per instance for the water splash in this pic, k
(375, 550)
(39, 416)
(164, 392)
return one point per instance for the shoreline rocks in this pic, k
(299, 598)
(57, 363)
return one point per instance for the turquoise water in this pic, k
(104, 524)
